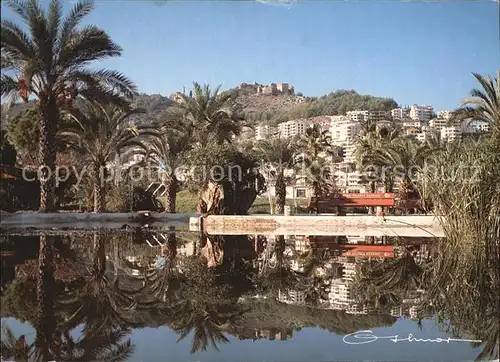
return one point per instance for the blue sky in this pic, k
(415, 52)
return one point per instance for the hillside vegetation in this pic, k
(256, 108)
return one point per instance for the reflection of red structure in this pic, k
(365, 251)
(351, 250)
(368, 251)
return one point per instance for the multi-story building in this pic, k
(397, 114)
(421, 136)
(444, 114)
(412, 131)
(293, 127)
(451, 133)
(344, 131)
(421, 113)
(264, 132)
(412, 124)
(349, 271)
(365, 116)
(292, 297)
(438, 123)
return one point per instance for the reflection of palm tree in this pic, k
(208, 321)
(389, 281)
(45, 324)
(202, 305)
(101, 302)
(100, 347)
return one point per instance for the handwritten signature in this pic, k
(367, 336)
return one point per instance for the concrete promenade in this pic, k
(358, 225)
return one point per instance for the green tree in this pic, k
(50, 62)
(168, 151)
(279, 154)
(8, 153)
(100, 133)
(314, 163)
(210, 116)
(24, 133)
(483, 105)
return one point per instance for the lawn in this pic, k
(186, 202)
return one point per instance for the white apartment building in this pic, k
(264, 132)
(344, 131)
(293, 127)
(421, 113)
(412, 131)
(451, 133)
(397, 114)
(349, 182)
(412, 124)
(444, 114)
(364, 116)
(438, 123)
(421, 136)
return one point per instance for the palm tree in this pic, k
(50, 62)
(314, 142)
(100, 133)
(209, 115)
(167, 152)
(405, 158)
(483, 105)
(315, 147)
(98, 347)
(280, 154)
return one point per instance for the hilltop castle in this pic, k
(270, 89)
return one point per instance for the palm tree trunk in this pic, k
(99, 190)
(280, 190)
(99, 262)
(171, 191)
(371, 209)
(47, 155)
(45, 324)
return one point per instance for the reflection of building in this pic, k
(292, 297)
(278, 334)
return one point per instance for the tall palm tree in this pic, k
(100, 133)
(483, 105)
(50, 62)
(280, 154)
(209, 115)
(212, 120)
(168, 152)
(315, 148)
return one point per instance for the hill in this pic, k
(257, 106)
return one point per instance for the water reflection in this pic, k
(85, 294)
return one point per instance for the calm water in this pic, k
(180, 297)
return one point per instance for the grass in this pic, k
(186, 202)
